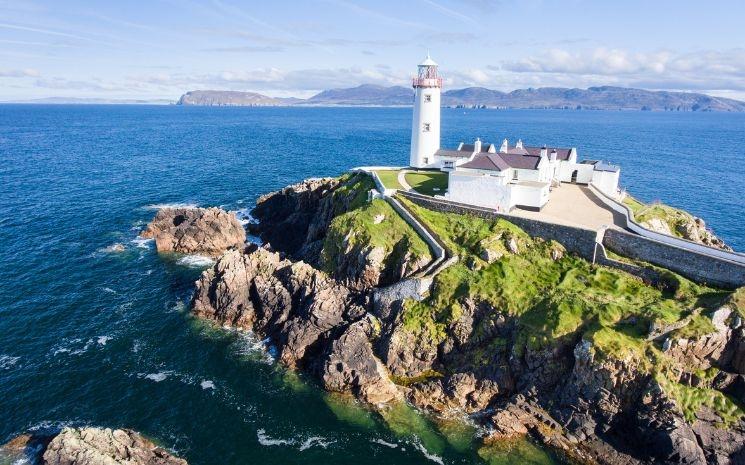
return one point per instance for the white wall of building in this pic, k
(584, 172)
(475, 188)
(425, 128)
(529, 196)
(606, 181)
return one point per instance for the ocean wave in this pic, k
(315, 441)
(117, 247)
(158, 206)
(244, 216)
(7, 362)
(250, 346)
(143, 243)
(420, 447)
(300, 443)
(102, 340)
(265, 440)
(195, 261)
(385, 443)
(156, 377)
(207, 384)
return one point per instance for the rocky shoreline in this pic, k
(87, 446)
(630, 392)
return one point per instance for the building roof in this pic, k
(599, 165)
(471, 147)
(489, 162)
(524, 158)
(453, 153)
(561, 154)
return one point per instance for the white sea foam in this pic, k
(109, 290)
(143, 243)
(157, 377)
(178, 307)
(207, 384)
(102, 340)
(244, 216)
(74, 346)
(248, 345)
(114, 248)
(7, 362)
(385, 443)
(195, 261)
(314, 441)
(265, 440)
(158, 206)
(420, 447)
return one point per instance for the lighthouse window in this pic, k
(425, 127)
(427, 98)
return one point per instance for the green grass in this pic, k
(552, 300)
(389, 178)
(690, 400)
(643, 213)
(373, 224)
(428, 182)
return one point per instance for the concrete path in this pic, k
(575, 205)
(402, 180)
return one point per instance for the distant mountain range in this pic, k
(593, 98)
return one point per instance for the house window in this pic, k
(514, 175)
(427, 98)
(426, 160)
(425, 127)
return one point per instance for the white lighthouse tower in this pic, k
(425, 129)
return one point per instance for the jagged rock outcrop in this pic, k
(314, 322)
(208, 231)
(294, 219)
(90, 446)
(688, 227)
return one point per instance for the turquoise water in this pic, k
(89, 336)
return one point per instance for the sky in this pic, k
(159, 49)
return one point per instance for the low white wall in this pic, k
(606, 181)
(664, 238)
(529, 196)
(477, 189)
(584, 172)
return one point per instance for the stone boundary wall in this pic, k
(632, 225)
(576, 240)
(423, 231)
(693, 265)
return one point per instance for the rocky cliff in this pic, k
(209, 231)
(520, 335)
(88, 446)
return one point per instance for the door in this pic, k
(574, 177)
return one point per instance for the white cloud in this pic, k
(19, 73)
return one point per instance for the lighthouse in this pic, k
(425, 128)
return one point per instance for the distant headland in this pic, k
(593, 98)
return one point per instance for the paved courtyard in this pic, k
(575, 205)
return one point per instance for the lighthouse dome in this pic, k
(428, 62)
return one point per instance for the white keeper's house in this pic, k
(501, 176)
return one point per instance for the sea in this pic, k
(95, 326)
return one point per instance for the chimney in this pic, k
(544, 151)
(477, 145)
(552, 157)
(505, 146)
(519, 144)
